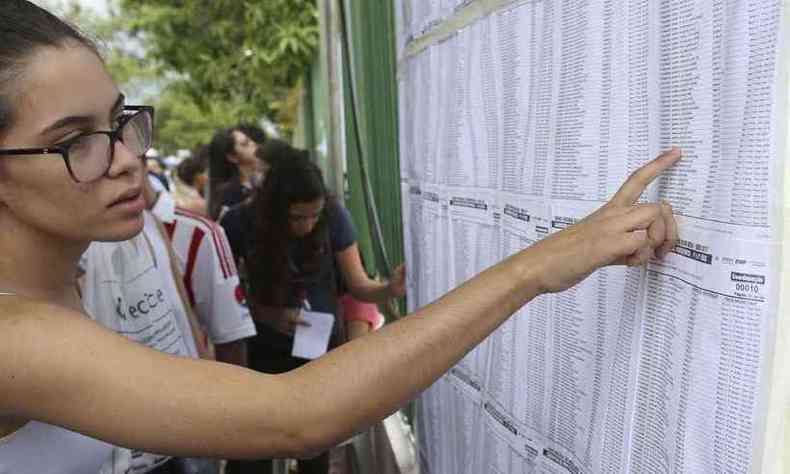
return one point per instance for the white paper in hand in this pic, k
(311, 342)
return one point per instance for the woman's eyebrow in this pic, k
(74, 120)
(83, 119)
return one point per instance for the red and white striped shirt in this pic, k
(210, 276)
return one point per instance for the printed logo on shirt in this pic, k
(240, 296)
(131, 285)
(149, 302)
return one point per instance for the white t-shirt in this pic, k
(129, 288)
(38, 448)
(159, 244)
(210, 276)
(126, 289)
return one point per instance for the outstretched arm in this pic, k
(360, 285)
(101, 384)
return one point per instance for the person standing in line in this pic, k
(233, 169)
(211, 282)
(190, 180)
(298, 247)
(134, 288)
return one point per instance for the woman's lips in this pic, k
(132, 204)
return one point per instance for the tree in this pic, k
(244, 53)
(182, 124)
(204, 64)
(123, 55)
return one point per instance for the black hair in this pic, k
(275, 150)
(294, 179)
(222, 145)
(222, 173)
(24, 29)
(254, 132)
(188, 169)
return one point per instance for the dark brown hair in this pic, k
(24, 29)
(222, 173)
(294, 179)
(194, 165)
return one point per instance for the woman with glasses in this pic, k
(71, 173)
(297, 247)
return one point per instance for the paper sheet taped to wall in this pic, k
(523, 123)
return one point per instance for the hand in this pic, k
(619, 233)
(287, 322)
(397, 283)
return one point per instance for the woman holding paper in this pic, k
(71, 173)
(297, 247)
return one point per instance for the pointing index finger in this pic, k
(630, 191)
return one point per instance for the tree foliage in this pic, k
(182, 124)
(204, 64)
(244, 53)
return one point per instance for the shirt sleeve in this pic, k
(219, 297)
(342, 232)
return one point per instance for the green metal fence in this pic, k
(369, 122)
(372, 107)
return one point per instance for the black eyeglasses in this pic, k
(89, 156)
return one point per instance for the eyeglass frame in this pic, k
(62, 148)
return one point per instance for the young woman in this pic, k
(233, 169)
(70, 173)
(297, 247)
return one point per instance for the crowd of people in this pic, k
(270, 215)
(146, 323)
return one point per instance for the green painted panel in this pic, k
(373, 62)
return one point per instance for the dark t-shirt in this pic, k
(230, 194)
(270, 350)
(316, 286)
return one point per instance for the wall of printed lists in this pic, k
(525, 119)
